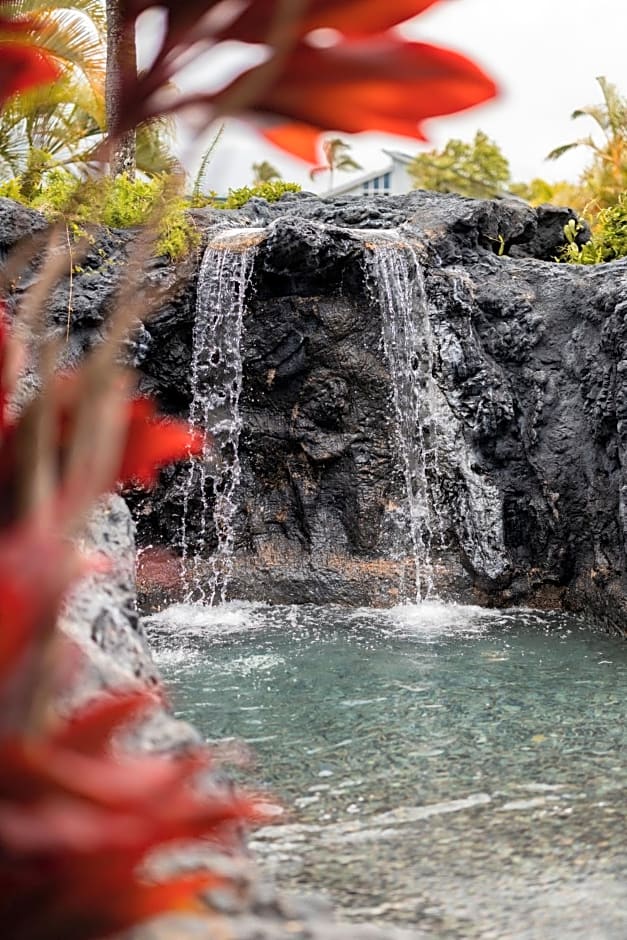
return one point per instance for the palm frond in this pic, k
(347, 163)
(154, 153)
(560, 151)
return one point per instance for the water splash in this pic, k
(216, 384)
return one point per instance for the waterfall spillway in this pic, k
(398, 286)
(440, 498)
(444, 490)
(216, 381)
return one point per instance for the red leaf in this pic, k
(151, 443)
(370, 80)
(67, 827)
(90, 730)
(349, 17)
(24, 66)
(39, 770)
(4, 392)
(36, 568)
(358, 85)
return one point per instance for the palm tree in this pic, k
(53, 121)
(121, 60)
(337, 158)
(71, 31)
(63, 124)
(264, 172)
(606, 177)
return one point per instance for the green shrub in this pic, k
(270, 191)
(11, 189)
(123, 203)
(116, 203)
(178, 235)
(609, 238)
(129, 203)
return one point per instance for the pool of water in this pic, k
(458, 770)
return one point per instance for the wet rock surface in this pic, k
(101, 619)
(528, 358)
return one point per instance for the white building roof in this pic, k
(394, 157)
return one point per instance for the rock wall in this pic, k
(528, 363)
(101, 619)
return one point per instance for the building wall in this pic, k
(393, 180)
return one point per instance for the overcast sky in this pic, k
(545, 55)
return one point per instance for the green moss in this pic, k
(122, 203)
(178, 236)
(609, 238)
(270, 191)
(11, 189)
(118, 203)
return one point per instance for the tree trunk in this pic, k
(121, 60)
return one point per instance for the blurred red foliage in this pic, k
(367, 78)
(23, 63)
(77, 819)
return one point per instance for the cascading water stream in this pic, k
(216, 380)
(443, 489)
(398, 286)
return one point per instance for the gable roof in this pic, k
(395, 156)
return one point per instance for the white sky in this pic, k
(545, 55)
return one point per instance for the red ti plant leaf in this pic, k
(148, 441)
(141, 443)
(152, 442)
(24, 64)
(256, 19)
(77, 823)
(370, 79)
(78, 820)
(36, 568)
(4, 353)
(349, 17)
(338, 87)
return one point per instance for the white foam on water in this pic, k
(430, 619)
(179, 656)
(250, 665)
(234, 617)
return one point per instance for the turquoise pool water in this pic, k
(458, 770)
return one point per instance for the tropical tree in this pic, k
(44, 126)
(63, 124)
(264, 172)
(70, 32)
(336, 159)
(121, 61)
(606, 176)
(478, 169)
(539, 191)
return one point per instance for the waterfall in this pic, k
(216, 384)
(408, 344)
(444, 492)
